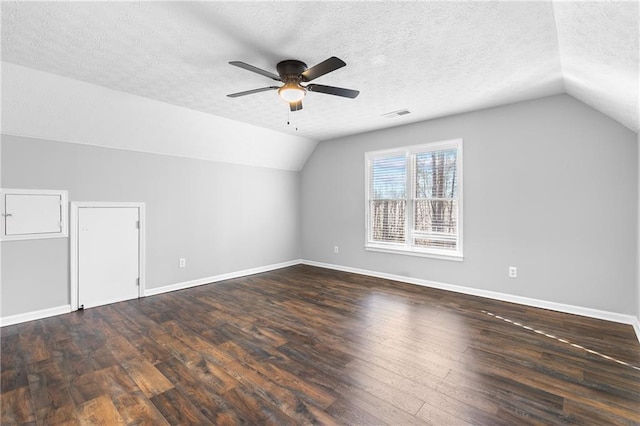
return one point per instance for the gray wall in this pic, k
(550, 186)
(221, 217)
(541, 178)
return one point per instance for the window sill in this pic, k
(406, 252)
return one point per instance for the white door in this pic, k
(108, 255)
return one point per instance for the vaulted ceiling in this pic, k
(431, 58)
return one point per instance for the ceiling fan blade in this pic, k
(256, 70)
(295, 106)
(250, 92)
(323, 68)
(331, 90)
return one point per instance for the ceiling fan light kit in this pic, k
(292, 92)
(292, 73)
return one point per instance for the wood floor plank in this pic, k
(100, 411)
(437, 415)
(217, 378)
(417, 389)
(72, 361)
(113, 381)
(48, 387)
(150, 349)
(122, 349)
(379, 408)
(258, 410)
(136, 409)
(283, 378)
(178, 410)
(197, 343)
(171, 344)
(565, 387)
(490, 395)
(213, 406)
(13, 356)
(150, 381)
(13, 378)
(16, 407)
(283, 399)
(351, 414)
(306, 345)
(67, 415)
(578, 410)
(88, 386)
(404, 401)
(202, 364)
(34, 347)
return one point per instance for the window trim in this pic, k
(407, 248)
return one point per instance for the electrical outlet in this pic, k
(336, 249)
(183, 263)
(513, 272)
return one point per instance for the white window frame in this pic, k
(407, 248)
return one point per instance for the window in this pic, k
(414, 200)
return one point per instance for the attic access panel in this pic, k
(33, 214)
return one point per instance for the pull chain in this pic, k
(289, 120)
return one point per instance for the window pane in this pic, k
(387, 221)
(436, 174)
(389, 178)
(436, 223)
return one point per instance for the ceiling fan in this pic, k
(292, 73)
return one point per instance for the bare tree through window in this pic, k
(435, 218)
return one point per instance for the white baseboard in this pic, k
(34, 315)
(221, 277)
(560, 307)
(537, 303)
(636, 327)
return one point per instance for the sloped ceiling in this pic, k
(432, 58)
(598, 46)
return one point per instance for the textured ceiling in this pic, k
(433, 58)
(599, 43)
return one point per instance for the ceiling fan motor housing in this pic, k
(291, 70)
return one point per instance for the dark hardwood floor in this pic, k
(308, 345)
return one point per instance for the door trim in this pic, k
(73, 243)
